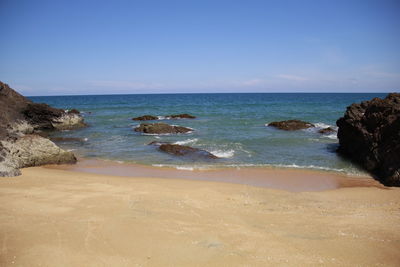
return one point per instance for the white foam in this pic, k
(186, 142)
(322, 125)
(223, 154)
(183, 168)
(331, 136)
(85, 139)
(295, 166)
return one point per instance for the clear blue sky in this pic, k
(98, 47)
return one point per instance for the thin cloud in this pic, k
(253, 82)
(126, 85)
(292, 77)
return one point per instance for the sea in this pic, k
(232, 126)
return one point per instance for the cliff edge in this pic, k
(21, 123)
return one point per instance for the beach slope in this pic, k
(52, 217)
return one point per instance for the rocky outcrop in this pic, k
(145, 118)
(179, 150)
(32, 150)
(161, 128)
(291, 125)
(327, 130)
(181, 116)
(369, 134)
(22, 127)
(44, 117)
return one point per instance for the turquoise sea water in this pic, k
(232, 126)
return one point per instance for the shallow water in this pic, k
(231, 126)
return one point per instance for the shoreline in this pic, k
(53, 217)
(293, 180)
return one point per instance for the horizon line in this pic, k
(388, 92)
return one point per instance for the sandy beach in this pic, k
(53, 217)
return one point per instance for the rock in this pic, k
(369, 134)
(161, 128)
(74, 111)
(327, 130)
(179, 150)
(145, 118)
(44, 117)
(21, 121)
(181, 116)
(41, 115)
(31, 150)
(68, 121)
(291, 125)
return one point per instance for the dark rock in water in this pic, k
(327, 130)
(161, 128)
(20, 122)
(179, 150)
(74, 111)
(181, 116)
(145, 118)
(291, 125)
(369, 134)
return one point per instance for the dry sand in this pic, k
(51, 217)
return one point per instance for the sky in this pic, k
(131, 47)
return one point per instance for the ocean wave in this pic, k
(186, 142)
(331, 136)
(223, 153)
(295, 166)
(182, 167)
(320, 126)
(260, 165)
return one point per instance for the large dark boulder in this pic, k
(42, 115)
(145, 118)
(369, 134)
(161, 128)
(181, 116)
(291, 125)
(179, 150)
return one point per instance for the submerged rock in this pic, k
(179, 150)
(291, 125)
(369, 134)
(327, 130)
(161, 128)
(181, 116)
(21, 121)
(145, 118)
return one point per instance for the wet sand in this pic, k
(52, 217)
(293, 180)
